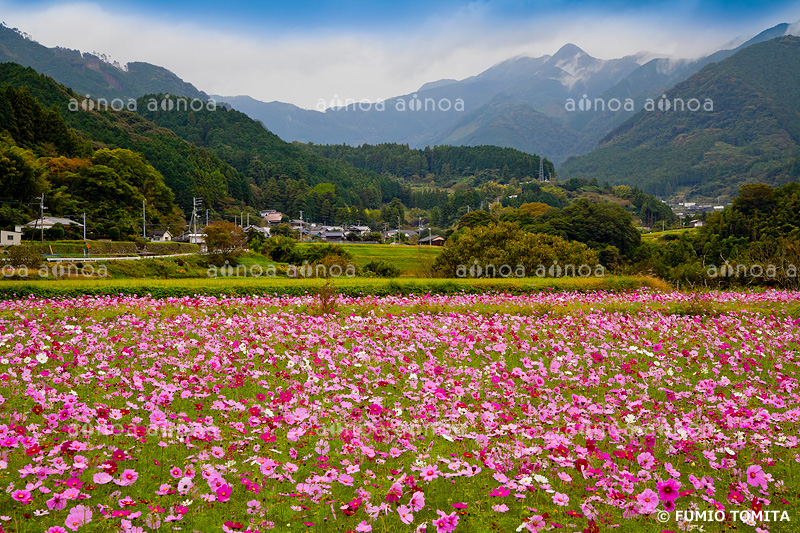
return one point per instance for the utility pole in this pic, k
(144, 229)
(193, 224)
(420, 230)
(397, 240)
(429, 236)
(206, 217)
(84, 234)
(41, 215)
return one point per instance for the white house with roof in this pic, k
(49, 222)
(10, 238)
(160, 235)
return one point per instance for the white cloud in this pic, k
(303, 68)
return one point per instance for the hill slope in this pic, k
(752, 134)
(89, 74)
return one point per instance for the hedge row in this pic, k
(288, 287)
(119, 248)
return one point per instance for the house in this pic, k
(298, 225)
(49, 222)
(359, 230)
(334, 236)
(263, 231)
(697, 223)
(434, 240)
(193, 238)
(272, 216)
(10, 238)
(407, 233)
(160, 235)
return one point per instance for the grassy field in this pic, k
(412, 261)
(654, 236)
(295, 287)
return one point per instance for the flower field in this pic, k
(553, 411)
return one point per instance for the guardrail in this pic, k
(95, 259)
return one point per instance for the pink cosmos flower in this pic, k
(646, 460)
(57, 502)
(560, 499)
(56, 529)
(101, 478)
(218, 452)
(756, 477)
(446, 522)
(22, 496)
(395, 492)
(405, 514)
(501, 508)
(429, 473)
(500, 492)
(78, 516)
(417, 501)
(127, 478)
(363, 527)
(648, 500)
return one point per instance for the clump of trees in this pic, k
(225, 241)
(506, 245)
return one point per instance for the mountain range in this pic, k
(550, 105)
(520, 103)
(752, 134)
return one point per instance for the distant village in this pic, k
(270, 218)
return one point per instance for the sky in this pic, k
(310, 53)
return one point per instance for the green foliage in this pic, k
(224, 241)
(25, 255)
(440, 166)
(760, 229)
(596, 224)
(187, 170)
(507, 244)
(298, 287)
(474, 219)
(274, 173)
(381, 269)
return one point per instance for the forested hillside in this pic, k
(39, 154)
(440, 166)
(188, 170)
(752, 134)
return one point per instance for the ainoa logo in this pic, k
(415, 103)
(663, 104)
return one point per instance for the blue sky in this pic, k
(305, 51)
(368, 15)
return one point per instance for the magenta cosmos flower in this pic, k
(668, 490)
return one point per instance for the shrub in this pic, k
(381, 269)
(25, 255)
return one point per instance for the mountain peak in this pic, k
(567, 51)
